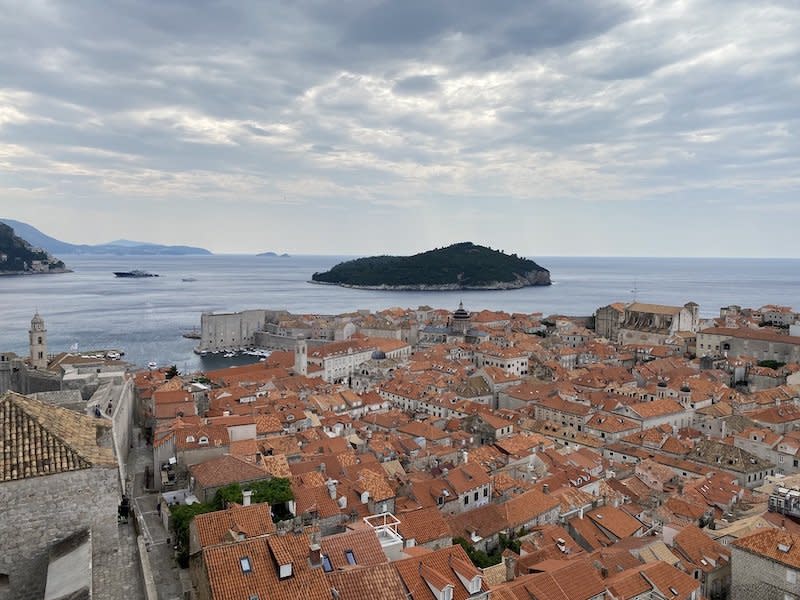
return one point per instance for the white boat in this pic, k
(113, 355)
(152, 365)
(229, 355)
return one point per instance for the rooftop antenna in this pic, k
(635, 290)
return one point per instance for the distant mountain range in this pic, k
(38, 239)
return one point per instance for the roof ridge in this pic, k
(17, 420)
(66, 412)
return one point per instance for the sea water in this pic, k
(145, 318)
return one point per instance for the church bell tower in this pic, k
(38, 342)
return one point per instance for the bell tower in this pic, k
(37, 337)
(301, 356)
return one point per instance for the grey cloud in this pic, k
(370, 101)
(417, 84)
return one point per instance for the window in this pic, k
(189, 439)
(4, 580)
(351, 558)
(245, 564)
(475, 497)
(485, 492)
(203, 440)
(466, 500)
(326, 564)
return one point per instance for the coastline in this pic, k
(53, 272)
(447, 287)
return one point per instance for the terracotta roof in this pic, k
(773, 544)
(423, 526)
(785, 413)
(661, 309)
(701, 550)
(656, 408)
(250, 521)
(467, 477)
(38, 439)
(752, 334)
(574, 580)
(436, 567)
(362, 543)
(359, 584)
(528, 506)
(611, 423)
(228, 579)
(667, 581)
(616, 521)
(224, 470)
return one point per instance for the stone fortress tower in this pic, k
(37, 336)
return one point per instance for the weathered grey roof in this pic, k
(38, 439)
(724, 456)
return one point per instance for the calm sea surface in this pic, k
(145, 317)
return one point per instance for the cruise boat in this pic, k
(134, 273)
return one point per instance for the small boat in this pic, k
(229, 355)
(135, 273)
(152, 365)
(188, 279)
(113, 355)
(194, 334)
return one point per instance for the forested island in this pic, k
(463, 266)
(18, 257)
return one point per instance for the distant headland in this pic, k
(463, 266)
(118, 247)
(273, 255)
(18, 257)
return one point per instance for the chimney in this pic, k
(580, 513)
(511, 568)
(315, 550)
(331, 484)
(315, 554)
(246, 497)
(546, 488)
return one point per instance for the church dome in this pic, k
(460, 313)
(37, 320)
(378, 355)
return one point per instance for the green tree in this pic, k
(227, 495)
(172, 372)
(182, 515)
(277, 490)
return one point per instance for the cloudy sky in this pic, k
(546, 127)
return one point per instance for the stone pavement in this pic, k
(169, 578)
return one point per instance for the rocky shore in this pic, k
(533, 278)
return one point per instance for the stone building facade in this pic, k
(766, 566)
(59, 480)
